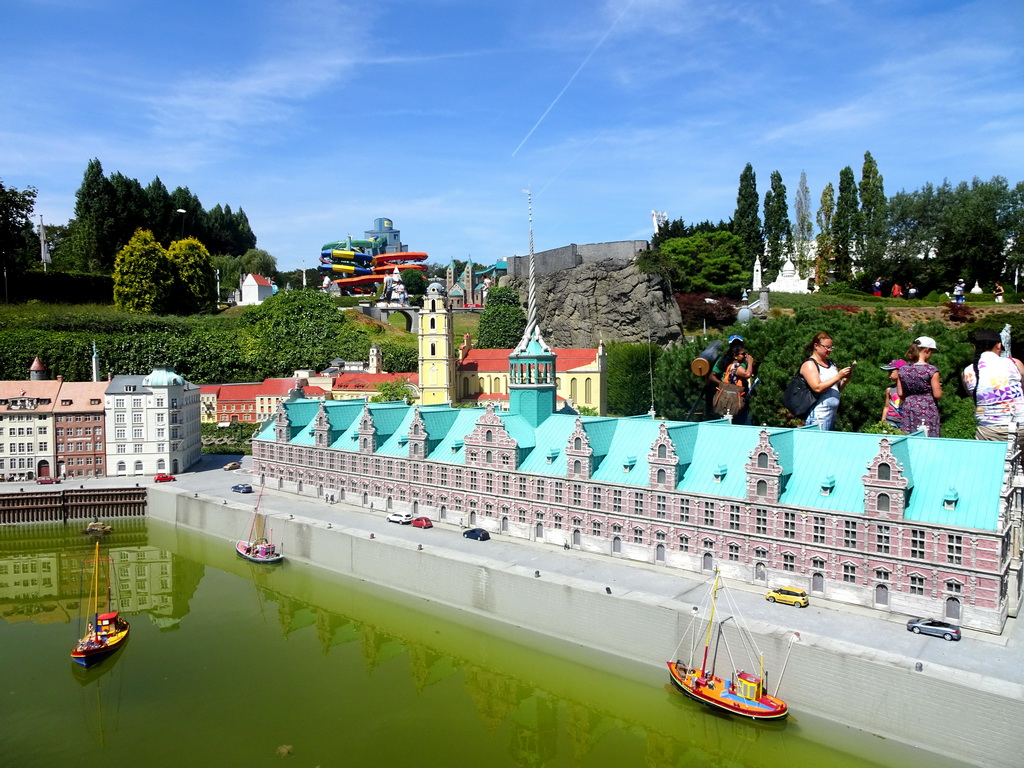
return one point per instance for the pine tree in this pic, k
(874, 234)
(804, 230)
(846, 225)
(96, 209)
(746, 222)
(777, 228)
(826, 245)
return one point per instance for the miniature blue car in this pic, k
(242, 488)
(477, 533)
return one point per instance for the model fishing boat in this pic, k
(106, 632)
(743, 694)
(258, 548)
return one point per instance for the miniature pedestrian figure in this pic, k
(911, 291)
(897, 292)
(876, 286)
(998, 292)
(959, 290)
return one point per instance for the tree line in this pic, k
(931, 236)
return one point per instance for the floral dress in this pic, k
(919, 405)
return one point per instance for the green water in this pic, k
(231, 664)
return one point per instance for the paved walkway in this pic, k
(981, 653)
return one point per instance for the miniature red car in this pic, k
(47, 480)
(422, 522)
(163, 478)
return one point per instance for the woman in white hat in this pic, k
(920, 388)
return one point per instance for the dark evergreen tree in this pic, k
(825, 250)
(95, 212)
(845, 226)
(16, 232)
(874, 233)
(503, 321)
(160, 213)
(777, 228)
(746, 224)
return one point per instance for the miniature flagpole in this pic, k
(44, 249)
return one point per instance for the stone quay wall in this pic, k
(969, 717)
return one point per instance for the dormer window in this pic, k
(828, 485)
(884, 471)
(721, 472)
(552, 455)
(949, 501)
(628, 464)
(662, 451)
(577, 444)
(65, 402)
(762, 460)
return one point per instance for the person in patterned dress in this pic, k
(920, 389)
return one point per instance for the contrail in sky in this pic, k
(564, 167)
(578, 70)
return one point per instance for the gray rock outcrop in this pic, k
(606, 300)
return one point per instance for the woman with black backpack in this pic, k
(825, 379)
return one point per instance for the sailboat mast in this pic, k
(711, 622)
(96, 588)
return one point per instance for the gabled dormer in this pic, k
(579, 456)
(321, 428)
(489, 444)
(282, 424)
(764, 472)
(417, 437)
(367, 432)
(885, 484)
(663, 461)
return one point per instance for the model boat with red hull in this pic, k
(743, 694)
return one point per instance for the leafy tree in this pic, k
(706, 262)
(874, 234)
(256, 261)
(415, 283)
(230, 268)
(16, 207)
(678, 228)
(630, 377)
(395, 358)
(502, 322)
(972, 236)
(131, 208)
(392, 391)
(803, 232)
(746, 224)
(846, 225)
(143, 275)
(777, 228)
(298, 329)
(678, 393)
(825, 251)
(194, 285)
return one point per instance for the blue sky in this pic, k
(316, 117)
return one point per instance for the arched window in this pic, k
(884, 471)
(882, 505)
(762, 460)
(488, 436)
(577, 444)
(577, 467)
(488, 456)
(762, 487)
(662, 451)
(661, 476)
(587, 394)
(433, 349)
(433, 323)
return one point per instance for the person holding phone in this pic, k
(825, 379)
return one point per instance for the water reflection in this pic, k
(330, 665)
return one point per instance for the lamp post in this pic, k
(182, 211)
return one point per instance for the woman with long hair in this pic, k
(825, 379)
(919, 388)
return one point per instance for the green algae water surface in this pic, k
(231, 664)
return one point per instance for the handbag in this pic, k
(728, 399)
(799, 398)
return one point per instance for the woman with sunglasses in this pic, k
(825, 379)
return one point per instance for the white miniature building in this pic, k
(153, 424)
(255, 289)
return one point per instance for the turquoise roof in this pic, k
(712, 456)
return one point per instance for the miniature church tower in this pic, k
(531, 366)
(436, 348)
